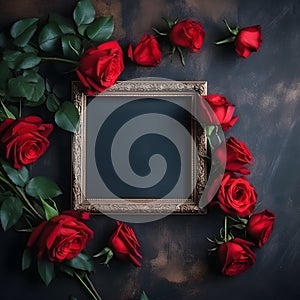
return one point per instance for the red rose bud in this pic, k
(235, 256)
(223, 110)
(61, 238)
(125, 245)
(248, 40)
(24, 140)
(238, 155)
(146, 53)
(236, 196)
(187, 34)
(100, 67)
(260, 226)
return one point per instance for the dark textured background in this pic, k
(266, 90)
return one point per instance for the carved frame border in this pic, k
(136, 206)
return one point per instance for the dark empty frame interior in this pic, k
(138, 150)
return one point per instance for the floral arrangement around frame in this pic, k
(57, 240)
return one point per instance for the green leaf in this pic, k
(28, 60)
(30, 86)
(19, 60)
(49, 37)
(46, 270)
(26, 259)
(63, 24)
(82, 28)
(5, 195)
(7, 112)
(20, 87)
(101, 29)
(50, 212)
(67, 116)
(12, 58)
(35, 104)
(42, 187)
(73, 298)
(52, 103)
(84, 12)
(23, 30)
(38, 85)
(18, 177)
(30, 49)
(144, 296)
(71, 46)
(11, 212)
(81, 262)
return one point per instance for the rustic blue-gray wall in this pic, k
(266, 90)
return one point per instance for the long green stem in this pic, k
(95, 297)
(19, 192)
(225, 230)
(92, 286)
(66, 60)
(28, 202)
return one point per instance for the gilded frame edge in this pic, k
(136, 206)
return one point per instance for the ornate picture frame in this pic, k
(81, 200)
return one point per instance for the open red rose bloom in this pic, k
(236, 196)
(147, 52)
(187, 34)
(24, 140)
(100, 67)
(61, 238)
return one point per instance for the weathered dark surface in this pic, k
(266, 90)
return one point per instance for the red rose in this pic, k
(238, 154)
(248, 40)
(235, 256)
(61, 238)
(24, 140)
(260, 226)
(101, 66)
(147, 52)
(187, 34)
(223, 110)
(125, 244)
(236, 196)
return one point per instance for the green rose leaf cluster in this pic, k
(28, 45)
(25, 196)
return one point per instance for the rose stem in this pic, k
(87, 288)
(70, 61)
(92, 286)
(18, 191)
(28, 202)
(225, 229)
